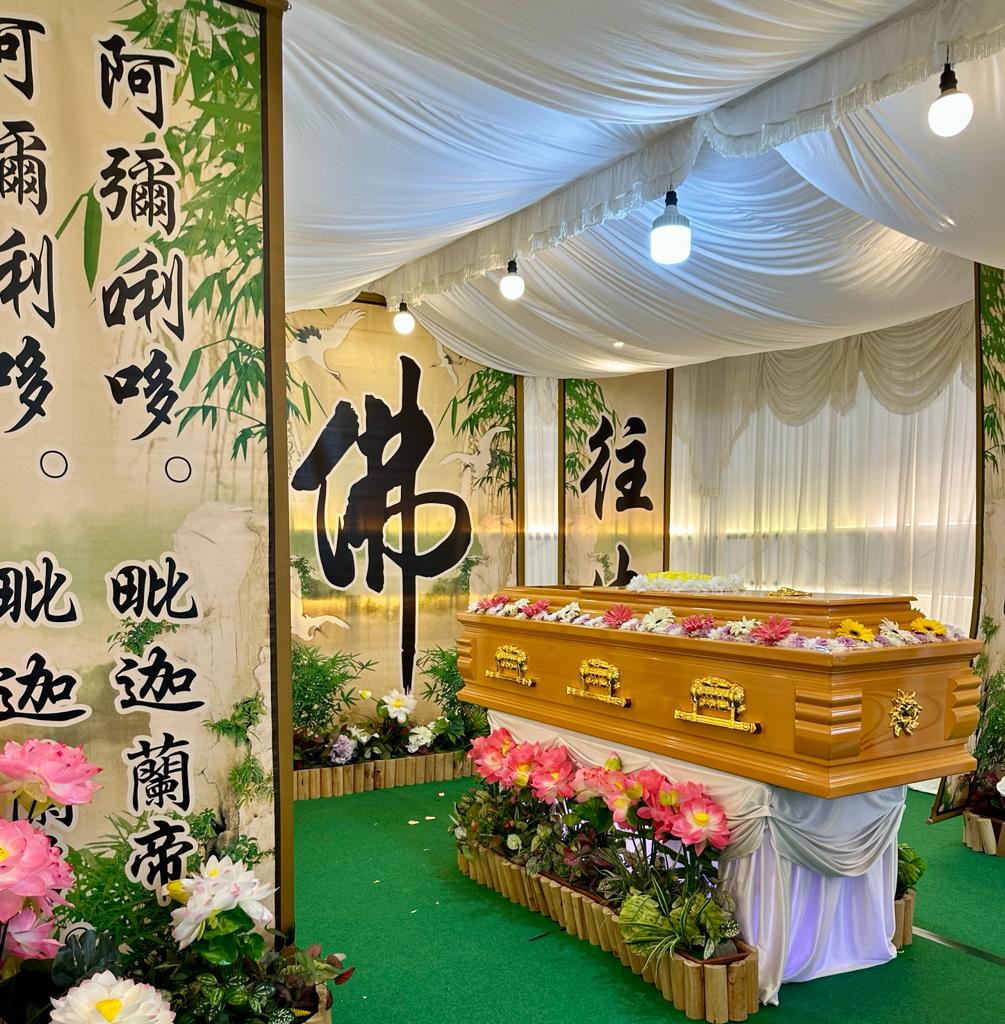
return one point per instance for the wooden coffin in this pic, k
(828, 724)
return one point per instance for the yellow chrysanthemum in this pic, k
(931, 626)
(675, 574)
(856, 630)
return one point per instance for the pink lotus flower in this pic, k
(43, 772)
(772, 631)
(697, 625)
(534, 608)
(519, 765)
(590, 783)
(31, 868)
(616, 616)
(29, 937)
(489, 754)
(701, 822)
(622, 795)
(553, 775)
(651, 780)
(662, 805)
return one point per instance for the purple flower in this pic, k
(343, 750)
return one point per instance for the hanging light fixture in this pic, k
(670, 237)
(951, 112)
(512, 285)
(404, 322)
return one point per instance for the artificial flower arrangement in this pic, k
(675, 581)
(774, 631)
(205, 959)
(638, 841)
(391, 730)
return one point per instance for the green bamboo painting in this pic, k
(992, 318)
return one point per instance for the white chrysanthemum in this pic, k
(741, 627)
(399, 705)
(105, 999)
(420, 736)
(219, 885)
(730, 584)
(656, 619)
(509, 610)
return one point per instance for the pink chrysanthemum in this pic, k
(771, 631)
(616, 616)
(697, 625)
(534, 608)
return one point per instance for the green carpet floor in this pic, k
(432, 947)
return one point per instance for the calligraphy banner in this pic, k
(135, 601)
(403, 486)
(615, 458)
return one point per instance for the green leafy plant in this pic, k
(443, 682)
(585, 404)
(248, 780)
(991, 297)
(237, 726)
(135, 636)
(305, 572)
(323, 688)
(910, 868)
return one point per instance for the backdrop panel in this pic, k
(403, 486)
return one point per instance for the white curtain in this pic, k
(825, 469)
(541, 482)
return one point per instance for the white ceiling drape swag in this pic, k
(904, 368)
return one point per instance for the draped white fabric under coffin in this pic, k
(814, 879)
(830, 469)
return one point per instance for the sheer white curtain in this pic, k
(855, 497)
(540, 460)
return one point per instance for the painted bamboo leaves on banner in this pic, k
(134, 589)
(614, 472)
(403, 488)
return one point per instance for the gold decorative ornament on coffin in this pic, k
(511, 666)
(905, 714)
(717, 694)
(788, 592)
(595, 675)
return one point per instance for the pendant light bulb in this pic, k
(951, 112)
(512, 285)
(670, 237)
(404, 322)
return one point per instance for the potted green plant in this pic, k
(910, 868)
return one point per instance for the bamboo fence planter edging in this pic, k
(903, 914)
(716, 993)
(342, 780)
(979, 834)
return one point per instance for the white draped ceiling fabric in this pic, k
(430, 141)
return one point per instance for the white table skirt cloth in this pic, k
(814, 880)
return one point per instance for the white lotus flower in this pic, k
(105, 999)
(399, 705)
(1001, 786)
(361, 736)
(219, 885)
(420, 736)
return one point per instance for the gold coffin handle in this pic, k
(599, 680)
(717, 694)
(511, 666)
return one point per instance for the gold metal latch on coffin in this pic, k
(717, 694)
(599, 680)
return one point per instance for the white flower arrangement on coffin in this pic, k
(657, 620)
(104, 997)
(510, 609)
(897, 637)
(741, 627)
(730, 584)
(221, 884)
(567, 613)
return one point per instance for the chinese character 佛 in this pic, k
(143, 74)
(158, 388)
(147, 590)
(32, 380)
(370, 507)
(22, 169)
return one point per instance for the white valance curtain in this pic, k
(847, 467)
